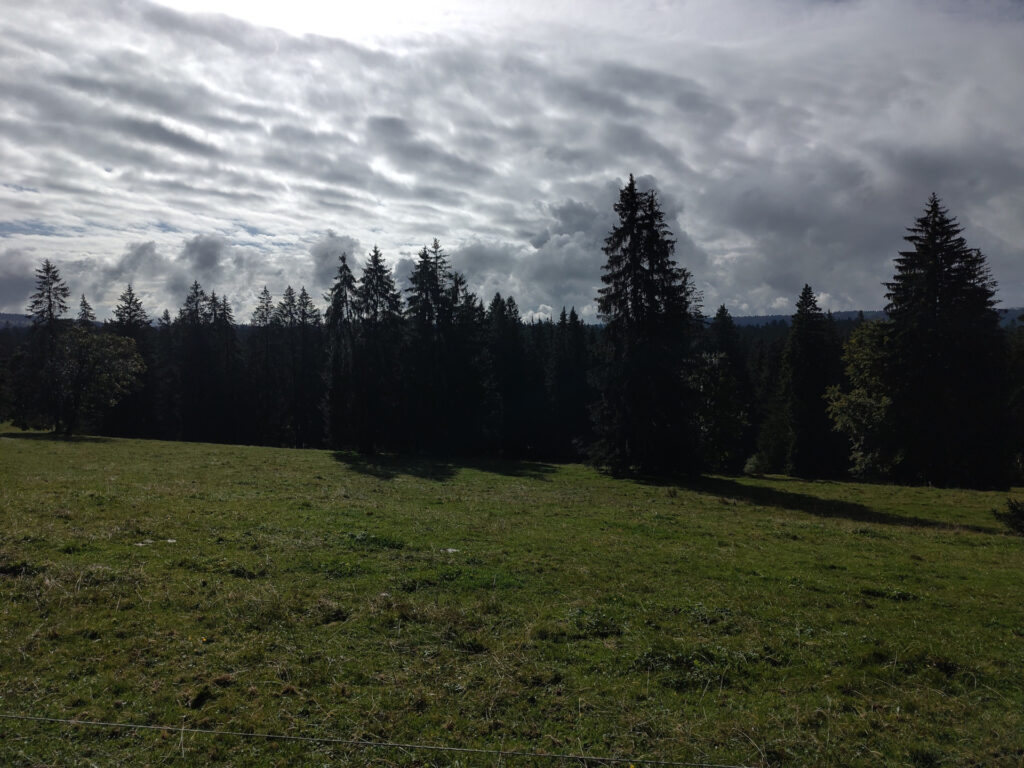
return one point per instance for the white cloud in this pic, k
(792, 142)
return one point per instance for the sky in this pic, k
(244, 144)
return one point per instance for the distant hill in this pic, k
(1009, 316)
(769, 319)
(15, 321)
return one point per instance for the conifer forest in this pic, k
(931, 394)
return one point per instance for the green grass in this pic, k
(521, 606)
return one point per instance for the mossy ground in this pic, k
(522, 606)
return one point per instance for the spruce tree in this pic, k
(429, 316)
(135, 415)
(378, 305)
(946, 359)
(86, 317)
(130, 319)
(569, 391)
(340, 317)
(37, 369)
(725, 419)
(810, 365)
(645, 418)
(262, 398)
(307, 376)
(49, 302)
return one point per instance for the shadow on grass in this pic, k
(815, 505)
(388, 466)
(54, 437)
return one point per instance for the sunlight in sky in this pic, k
(363, 22)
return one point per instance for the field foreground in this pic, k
(516, 606)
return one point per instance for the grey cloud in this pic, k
(204, 256)
(795, 148)
(326, 252)
(155, 132)
(402, 145)
(17, 280)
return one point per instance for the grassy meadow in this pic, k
(518, 606)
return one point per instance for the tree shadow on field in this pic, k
(385, 466)
(815, 505)
(53, 437)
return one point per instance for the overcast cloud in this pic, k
(792, 141)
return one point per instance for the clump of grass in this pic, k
(1012, 516)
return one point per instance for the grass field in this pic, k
(516, 606)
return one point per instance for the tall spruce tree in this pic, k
(428, 323)
(725, 418)
(36, 368)
(49, 302)
(645, 418)
(946, 361)
(569, 391)
(810, 365)
(340, 384)
(507, 379)
(308, 377)
(134, 416)
(86, 317)
(262, 398)
(378, 387)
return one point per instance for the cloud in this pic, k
(17, 279)
(790, 141)
(326, 252)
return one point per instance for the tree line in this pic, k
(933, 393)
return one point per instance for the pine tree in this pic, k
(378, 305)
(286, 313)
(645, 418)
(946, 362)
(725, 419)
(810, 365)
(130, 319)
(263, 403)
(378, 301)
(339, 319)
(86, 317)
(135, 415)
(464, 410)
(422, 356)
(36, 374)
(569, 392)
(264, 312)
(50, 300)
(307, 376)
(507, 382)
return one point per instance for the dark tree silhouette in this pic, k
(263, 373)
(36, 369)
(569, 391)
(645, 417)
(506, 382)
(378, 305)
(130, 319)
(946, 363)
(86, 317)
(429, 315)
(810, 365)
(135, 414)
(340, 385)
(725, 418)
(94, 371)
(49, 302)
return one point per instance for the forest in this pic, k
(933, 393)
